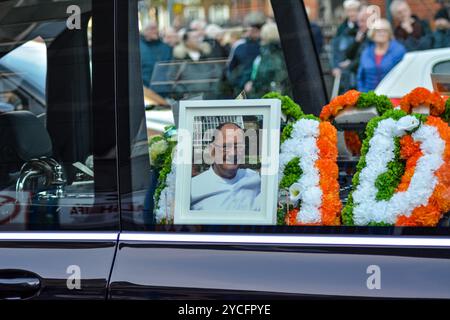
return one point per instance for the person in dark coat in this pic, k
(354, 51)
(269, 72)
(380, 57)
(153, 50)
(411, 31)
(214, 35)
(441, 36)
(243, 54)
(344, 38)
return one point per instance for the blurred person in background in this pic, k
(316, 32)
(354, 51)
(192, 47)
(199, 26)
(345, 37)
(243, 54)
(379, 57)
(153, 50)
(441, 35)
(269, 72)
(232, 38)
(411, 31)
(170, 37)
(214, 36)
(351, 9)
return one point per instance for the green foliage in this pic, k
(291, 173)
(388, 181)
(287, 131)
(379, 224)
(292, 110)
(370, 99)
(281, 214)
(446, 114)
(163, 173)
(163, 160)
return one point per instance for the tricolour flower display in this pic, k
(403, 175)
(353, 98)
(359, 101)
(422, 97)
(309, 171)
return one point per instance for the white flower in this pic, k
(157, 148)
(407, 123)
(295, 192)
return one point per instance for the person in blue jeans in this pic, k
(379, 57)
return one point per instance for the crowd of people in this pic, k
(364, 50)
(361, 53)
(254, 57)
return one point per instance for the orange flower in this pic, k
(348, 99)
(329, 173)
(422, 96)
(291, 217)
(353, 142)
(408, 147)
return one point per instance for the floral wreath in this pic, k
(423, 97)
(404, 178)
(309, 172)
(161, 150)
(353, 98)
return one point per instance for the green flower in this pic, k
(291, 173)
(370, 99)
(289, 108)
(446, 114)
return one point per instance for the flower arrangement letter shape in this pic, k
(403, 176)
(309, 171)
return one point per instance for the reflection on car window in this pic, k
(22, 81)
(47, 174)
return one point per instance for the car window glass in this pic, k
(442, 67)
(192, 51)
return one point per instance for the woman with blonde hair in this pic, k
(378, 58)
(269, 72)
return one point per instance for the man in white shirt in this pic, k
(224, 186)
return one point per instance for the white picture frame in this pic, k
(269, 139)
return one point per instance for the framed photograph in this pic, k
(227, 162)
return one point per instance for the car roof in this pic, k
(413, 71)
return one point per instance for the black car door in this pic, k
(59, 216)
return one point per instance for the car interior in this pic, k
(46, 135)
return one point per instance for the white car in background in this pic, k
(414, 71)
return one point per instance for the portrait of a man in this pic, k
(227, 184)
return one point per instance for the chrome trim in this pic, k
(65, 236)
(390, 241)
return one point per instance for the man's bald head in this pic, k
(227, 149)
